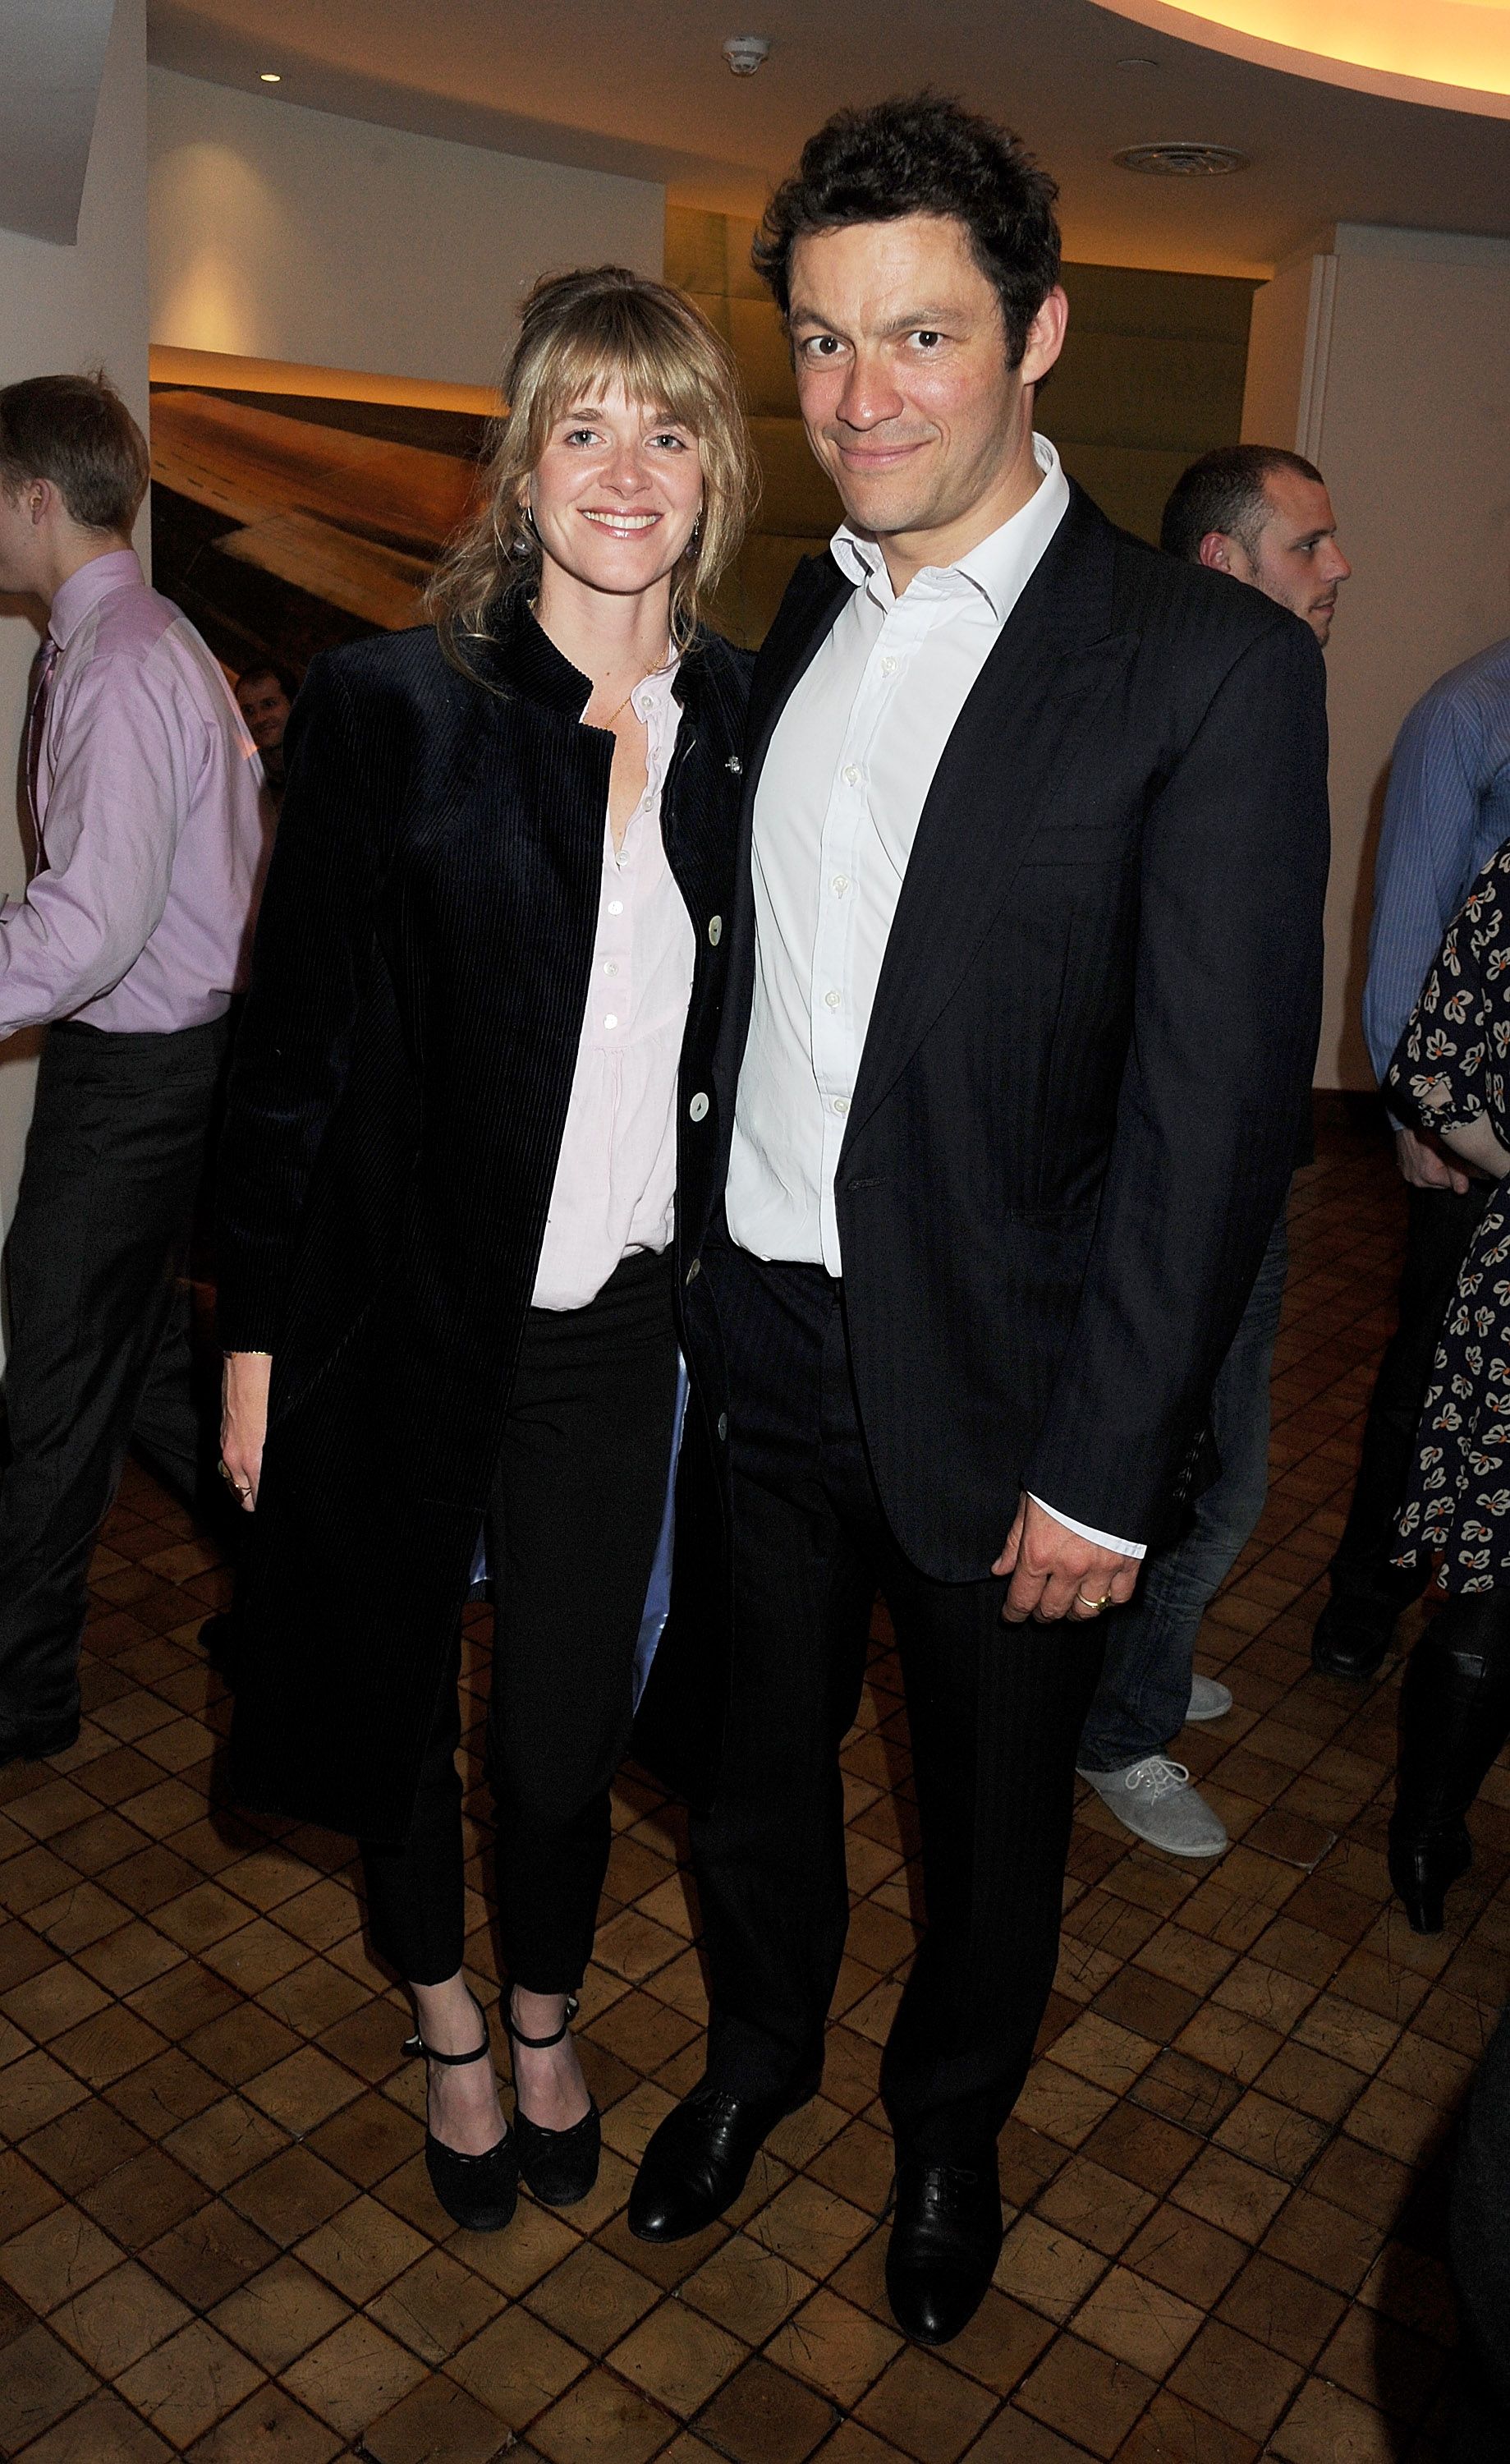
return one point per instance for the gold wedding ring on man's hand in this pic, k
(1095, 1606)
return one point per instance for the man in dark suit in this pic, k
(1024, 986)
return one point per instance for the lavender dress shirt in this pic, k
(153, 820)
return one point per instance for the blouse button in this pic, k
(715, 930)
(698, 1107)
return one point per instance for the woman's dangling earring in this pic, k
(690, 549)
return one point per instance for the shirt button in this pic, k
(715, 930)
(612, 967)
(833, 999)
(610, 1019)
(616, 906)
(851, 775)
(694, 1270)
(840, 1105)
(889, 666)
(723, 1426)
(840, 884)
(698, 1107)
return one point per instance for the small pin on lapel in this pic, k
(734, 765)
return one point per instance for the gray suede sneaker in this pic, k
(1209, 1701)
(1155, 1800)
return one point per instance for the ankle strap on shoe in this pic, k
(538, 2044)
(416, 2043)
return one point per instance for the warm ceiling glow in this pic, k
(1449, 51)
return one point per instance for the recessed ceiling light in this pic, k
(1180, 159)
(1137, 60)
(272, 76)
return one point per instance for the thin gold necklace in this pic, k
(607, 723)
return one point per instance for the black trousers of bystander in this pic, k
(99, 1339)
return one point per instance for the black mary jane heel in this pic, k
(561, 2167)
(478, 2191)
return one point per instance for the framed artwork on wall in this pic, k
(286, 521)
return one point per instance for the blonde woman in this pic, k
(467, 1164)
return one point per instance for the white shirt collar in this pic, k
(998, 567)
(654, 693)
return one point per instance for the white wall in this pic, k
(292, 234)
(71, 308)
(1385, 358)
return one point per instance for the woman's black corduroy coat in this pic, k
(397, 1104)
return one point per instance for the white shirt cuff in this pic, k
(1101, 1539)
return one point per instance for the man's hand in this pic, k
(1050, 1566)
(1425, 1164)
(244, 1422)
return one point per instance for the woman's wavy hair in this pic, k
(580, 333)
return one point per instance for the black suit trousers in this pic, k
(994, 1714)
(99, 1326)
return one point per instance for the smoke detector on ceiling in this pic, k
(1180, 159)
(747, 53)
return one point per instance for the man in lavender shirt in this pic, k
(147, 803)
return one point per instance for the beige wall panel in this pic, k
(1176, 394)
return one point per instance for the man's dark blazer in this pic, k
(1074, 1120)
(396, 1109)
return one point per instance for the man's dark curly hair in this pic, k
(924, 154)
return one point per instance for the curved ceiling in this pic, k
(1454, 52)
(646, 91)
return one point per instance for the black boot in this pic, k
(1455, 1716)
(1352, 1637)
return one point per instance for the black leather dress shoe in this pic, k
(1352, 1639)
(699, 2160)
(35, 1745)
(945, 2239)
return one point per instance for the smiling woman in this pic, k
(583, 337)
(469, 1128)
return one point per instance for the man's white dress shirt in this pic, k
(837, 809)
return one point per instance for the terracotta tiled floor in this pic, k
(1224, 2177)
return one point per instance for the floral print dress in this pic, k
(1453, 1067)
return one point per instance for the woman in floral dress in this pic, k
(1452, 1072)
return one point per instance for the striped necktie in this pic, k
(47, 659)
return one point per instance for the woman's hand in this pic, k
(244, 1422)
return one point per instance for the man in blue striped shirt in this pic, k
(1446, 810)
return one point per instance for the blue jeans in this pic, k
(1145, 1687)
